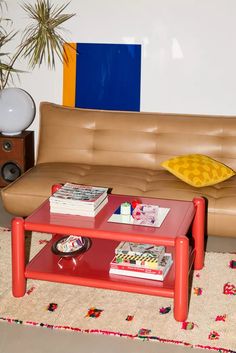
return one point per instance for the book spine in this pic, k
(137, 274)
(136, 269)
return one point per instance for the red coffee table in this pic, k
(182, 233)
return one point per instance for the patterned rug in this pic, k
(211, 322)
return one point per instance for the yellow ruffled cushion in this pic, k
(198, 170)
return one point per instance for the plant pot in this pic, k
(17, 111)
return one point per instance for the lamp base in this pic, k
(11, 133)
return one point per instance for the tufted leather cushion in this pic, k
(131, 139)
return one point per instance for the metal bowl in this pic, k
(86, 245)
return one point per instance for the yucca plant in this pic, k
(41, 41)
(5, 37)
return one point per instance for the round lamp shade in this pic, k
(17, 111)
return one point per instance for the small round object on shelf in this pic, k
(69, 246)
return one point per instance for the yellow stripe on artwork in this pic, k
(69, 75)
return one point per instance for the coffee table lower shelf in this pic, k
(92, 269)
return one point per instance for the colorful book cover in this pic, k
(130, 248)
(138, 260)
(167, 258)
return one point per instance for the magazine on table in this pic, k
(78, 199)
(79, 193)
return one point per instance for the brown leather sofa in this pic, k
(123, 151)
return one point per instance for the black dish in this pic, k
(85, 247)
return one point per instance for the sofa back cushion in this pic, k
(133, 139)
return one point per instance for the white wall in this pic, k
(188, 50)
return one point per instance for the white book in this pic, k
(76, 206)
(79, 211)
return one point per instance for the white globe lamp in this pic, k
(17, 111)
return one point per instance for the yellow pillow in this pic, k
(198, 170)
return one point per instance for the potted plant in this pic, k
(41, 42)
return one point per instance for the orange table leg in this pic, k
(198, 228)
(181, 278)
(18, 257)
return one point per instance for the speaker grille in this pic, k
(10, 171)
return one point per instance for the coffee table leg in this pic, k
(18, 257)
(181, 278)
(198, 228)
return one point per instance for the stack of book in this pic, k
(76, 199)
(141, 260)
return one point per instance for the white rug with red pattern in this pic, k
(211, 321)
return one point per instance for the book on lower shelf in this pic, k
(131, 248)
(147, 255)
(132, 270)
(77, 199)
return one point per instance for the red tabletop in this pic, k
(175, 224)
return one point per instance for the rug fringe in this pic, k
(113, 333)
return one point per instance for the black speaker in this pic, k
(10, 171)
(16, 156)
